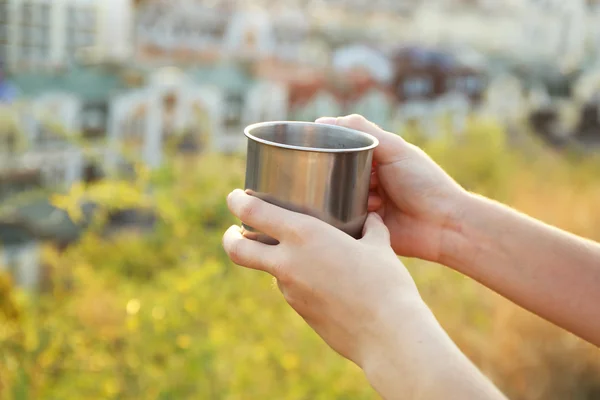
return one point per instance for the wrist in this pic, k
(400, 328)
(414, 358)
(456, 245)
(411, 356)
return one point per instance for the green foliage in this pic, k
(9, 126)
(165, 315)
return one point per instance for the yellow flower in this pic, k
(32, 341)
(184, 341)
(133, 306)
(217, 334)
(158, 312)
(260, 353)
(132, 325)
(70, 204)
(110, 387)
(190, 306)
(289, 361)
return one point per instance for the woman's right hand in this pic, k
(417, 200)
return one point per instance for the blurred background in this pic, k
(121, 134)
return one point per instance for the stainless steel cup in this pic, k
(315, 169)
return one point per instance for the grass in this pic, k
(166, 315)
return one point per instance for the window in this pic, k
(54, 174)
(39, 53)
(44, 14)
(3, 52)
(47, 139)
(44, 37)
(70, 39)
(92, 172)
(250, 39)
(35, 15)
(233, 113)
(416, 87)
(27, 14)
(31, 54)
(466, 84)
(472, 84)
(3, 33)
(12, 259)
(71, 17)
(83, 18)
(26, 36)
(90, 38)
(36, 36)
(216, 29)
(7, 142)
(94, 119)
(3, 11)
(84, 39)
(80, 28)
(27, 52)
(71, 28)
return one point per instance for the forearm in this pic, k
(550, 272)
(415, 359)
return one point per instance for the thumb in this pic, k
(391, 147)
(375, 231)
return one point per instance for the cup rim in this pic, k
(249, 128)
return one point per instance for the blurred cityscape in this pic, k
(121, 133)
(83, 82)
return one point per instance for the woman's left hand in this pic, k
(351, 292)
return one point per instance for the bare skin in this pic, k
(550, 272)
(361, 300)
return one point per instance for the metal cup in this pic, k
(315, 169)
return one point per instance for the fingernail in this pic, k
(327, 120)
(234, 192)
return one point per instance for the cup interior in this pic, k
(311, 136)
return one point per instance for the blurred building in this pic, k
(19, 254)
(191, 32)
(8, 92)
(52, 34)
(534, 32)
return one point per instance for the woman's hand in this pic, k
(417, 200)
(359, 298)
(550, 272)
(349, 291)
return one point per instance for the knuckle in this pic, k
(234, 251)
(283, 274)
(278, 270)
(299, 302)
(292, 301)
(301, 231)
(355, 119)
(249, 209)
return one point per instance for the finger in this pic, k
(259, 237)
(249, 253)
(375, 231)
(267, 218)
(375, 202)
(374, 181)
(391, 147)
